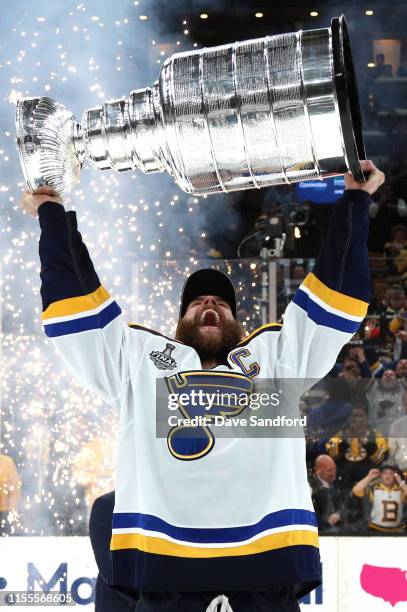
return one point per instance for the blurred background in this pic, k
(145, 235)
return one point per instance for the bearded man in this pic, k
(198, 521)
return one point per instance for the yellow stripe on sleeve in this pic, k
(75, 305)
(342, 302)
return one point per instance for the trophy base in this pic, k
(49, 144)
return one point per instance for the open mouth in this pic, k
(209, 318)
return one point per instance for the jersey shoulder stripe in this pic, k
(269, 327)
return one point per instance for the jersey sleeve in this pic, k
(366, 492)
(80, 317)
(332, 301)
(369, 492)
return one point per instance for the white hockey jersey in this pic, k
(387, 506)
(238, 516)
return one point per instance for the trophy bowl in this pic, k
(47, 134)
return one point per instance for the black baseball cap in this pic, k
(389, 466)
(208, 281)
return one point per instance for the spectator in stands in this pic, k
(396, 250)
(398, 327)
(376, 366)
(400, 208)
(297, 275)
(350, 369)
(356, 373)
(334, 412)
(10, 494)
(398, 304)
(393, 301)
(381, 69)
(387, 493)
(398, 440)
(354, 365)
(385, 401)
(386, 211)
(402, 70)
(358, 354)
(328, 502)
(357, 448)
(389, 309)
(401, 369)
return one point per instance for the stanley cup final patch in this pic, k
(163, 359)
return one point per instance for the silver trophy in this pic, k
(278, 109)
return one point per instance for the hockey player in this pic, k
(197, 518)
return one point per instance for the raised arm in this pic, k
(360, 487)
(330, 304)
(79, 316)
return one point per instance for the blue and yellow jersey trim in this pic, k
(151, 534)
(328, 307)
(160, 546)
(269, 327)
(94, 310)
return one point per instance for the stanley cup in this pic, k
(262, 112)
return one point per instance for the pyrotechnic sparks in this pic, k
(143, 234)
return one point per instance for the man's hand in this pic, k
(375, 178)
(30, 202)
(374, 473)
(334, 518)
(400, 480)
(402, 335)
(358, 353)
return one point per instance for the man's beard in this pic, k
(207, 346)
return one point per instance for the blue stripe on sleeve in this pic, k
(74, 326)
(322, 317)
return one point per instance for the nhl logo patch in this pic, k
(163, 359)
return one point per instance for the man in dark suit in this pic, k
(107, 598)
(327, 499)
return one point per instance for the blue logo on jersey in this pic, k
(206, 395)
